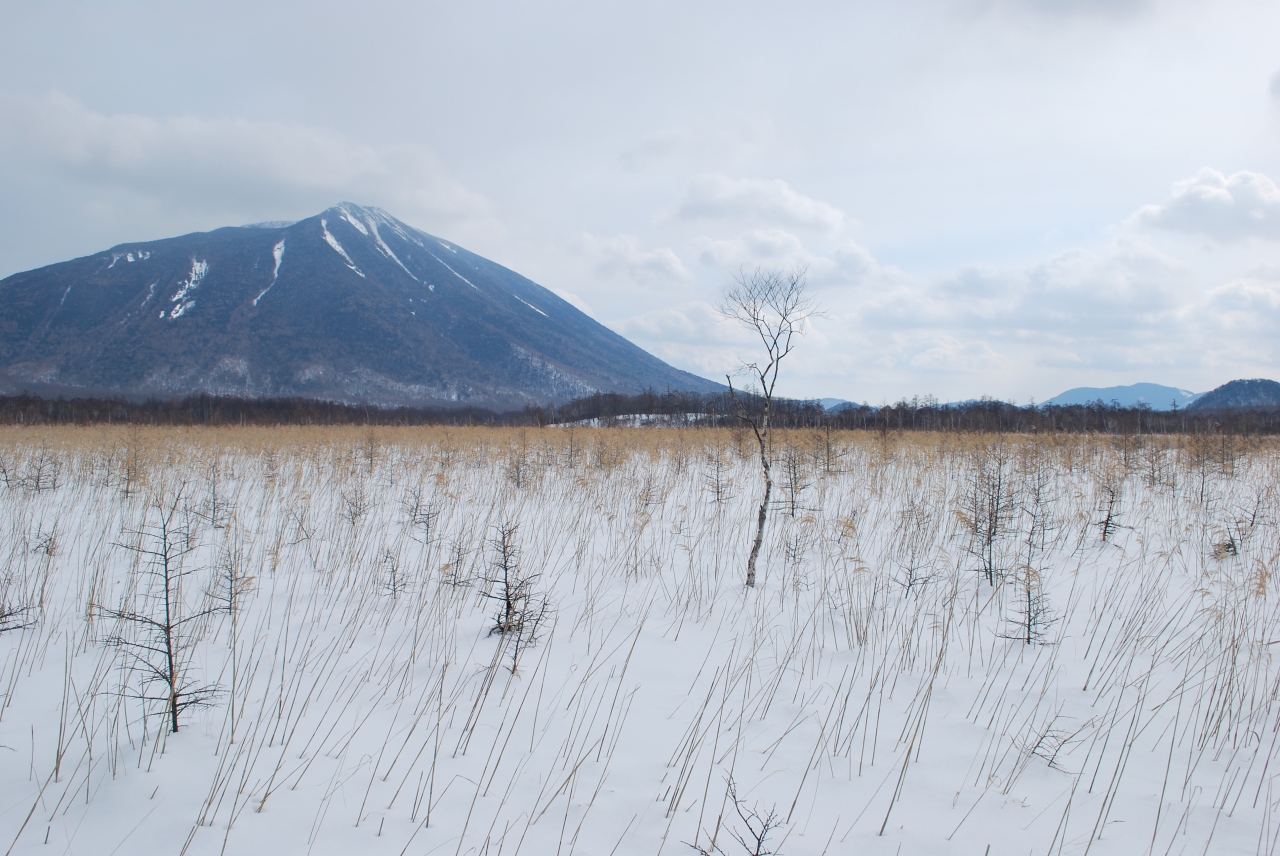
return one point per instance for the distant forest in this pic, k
(668, 408)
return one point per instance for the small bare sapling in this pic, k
(752, 837)
(988, 509)
(1031, 613)
(152, 622)
(521, 609)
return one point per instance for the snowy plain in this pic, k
(877, 691)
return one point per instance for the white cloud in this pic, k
(951, 355)
(193, 163)
(1076, 296)
(986, 327)
(849, 264)
(1275, 86)
(694, 323)
(771, 246)
(845, 264)
(1244, 314)
(714, 196)
(654, 148)
(1249, 302)
(1127, 283)
(623, 256)
(1228, 208)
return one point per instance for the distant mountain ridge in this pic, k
(349, 305)
(1153, 395)
(1252, 392)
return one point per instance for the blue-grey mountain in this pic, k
(1152, 395)
(350, 305)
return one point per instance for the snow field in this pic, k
(876, 692)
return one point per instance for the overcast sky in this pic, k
(999, 197)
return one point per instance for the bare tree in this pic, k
(152, 624)
(775, 305)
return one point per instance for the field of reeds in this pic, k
(503, 641)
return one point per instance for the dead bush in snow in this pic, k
(152, 624)
(521, 609)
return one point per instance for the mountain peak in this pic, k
(367, 219)
(350, 304)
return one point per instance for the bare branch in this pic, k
(13, 617)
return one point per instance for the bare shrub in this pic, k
(151, 625)
(1032, 616)
(795, 476)
(521, 609)
(753, 829)
(988, 507)
(717, 480)
(356, 503)
(13, 617)
(1110, 491)
(913, 539)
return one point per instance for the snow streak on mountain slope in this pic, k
(277, 253)
(366, 308)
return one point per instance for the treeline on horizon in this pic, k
(666, 408)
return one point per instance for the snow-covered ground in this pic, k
(876, 691)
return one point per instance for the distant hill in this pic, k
(1153, 395)
(1255, 392)
(350, 305)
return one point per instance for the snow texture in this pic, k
(531, 306)
(277, 253)
(141, 255)
(369, 228)
(452, 271)
(333, 242)
(876, 690)
(182, 296)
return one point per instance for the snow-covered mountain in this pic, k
(351, 304)
(1153, 395)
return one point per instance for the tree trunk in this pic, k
(170, 666)
(764, 510)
